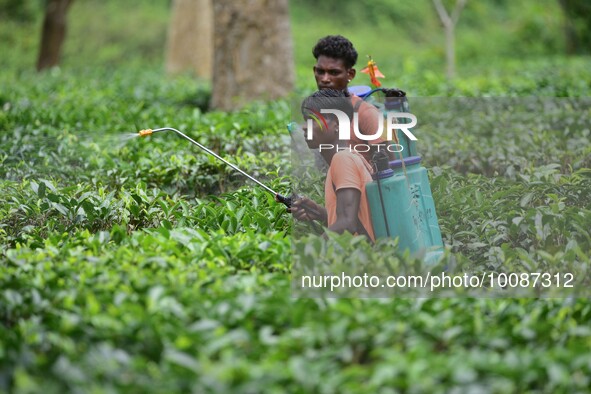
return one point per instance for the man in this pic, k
(334, 69)
(348, 172)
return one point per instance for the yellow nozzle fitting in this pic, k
(145, 132)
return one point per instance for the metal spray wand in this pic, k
(287, 201)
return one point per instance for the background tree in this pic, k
(449, 24)
(577, 25)
(253, 56)
(19, 10)
(53, 33)
(190, 38)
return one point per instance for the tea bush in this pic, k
(144, 265)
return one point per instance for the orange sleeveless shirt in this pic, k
(348, 170)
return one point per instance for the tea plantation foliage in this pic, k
(143, 265)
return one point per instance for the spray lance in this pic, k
(287, 201)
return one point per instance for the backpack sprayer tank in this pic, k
(399, 197)
(395, 100)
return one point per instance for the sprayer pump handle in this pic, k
(284, 200)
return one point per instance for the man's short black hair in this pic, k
(336, 47)
(328, 99)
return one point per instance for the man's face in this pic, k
(332, 73)
(321, 134)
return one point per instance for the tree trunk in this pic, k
(449, 23)
(253, 56)
(53, 33)
(577, 26)
(190, 38)
(450, 52)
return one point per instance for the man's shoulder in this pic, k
(345, 154)
(360, 105)
(346, 158)
(349, 167)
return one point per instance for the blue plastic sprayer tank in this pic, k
(399, 197)
(402, 206)
(390, 104)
